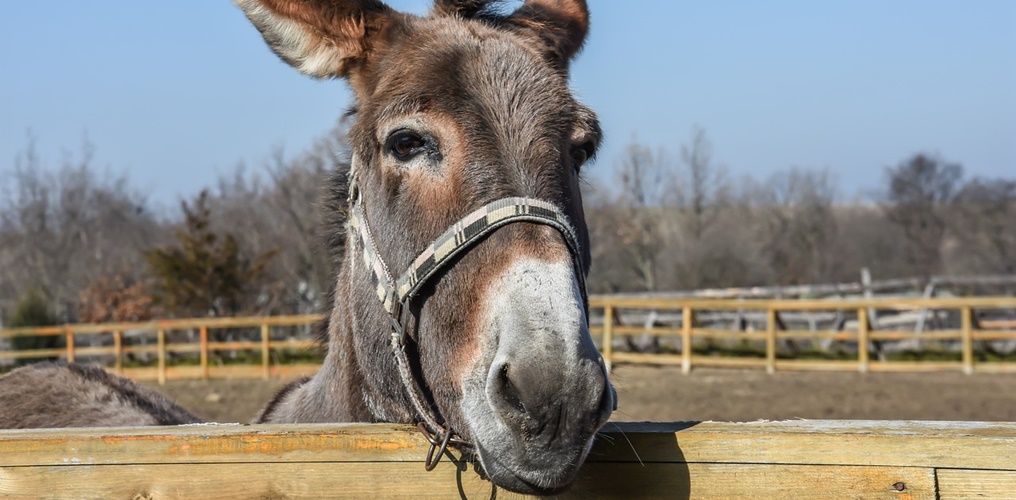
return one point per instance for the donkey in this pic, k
(457, 112)
(52, 394)
(460, 301)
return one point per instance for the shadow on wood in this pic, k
(794, 459)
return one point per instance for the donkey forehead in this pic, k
(487, 80)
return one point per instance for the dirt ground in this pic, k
(664, 394)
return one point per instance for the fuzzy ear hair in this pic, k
(460, 8)
(320, 38)
(561, 25)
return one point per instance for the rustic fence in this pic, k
(687, 460)
(859, 324)
(107, 342)
(850, 322)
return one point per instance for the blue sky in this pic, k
(177, 93)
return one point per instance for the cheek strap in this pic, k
(397, 295)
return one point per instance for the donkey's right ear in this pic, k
(320, 38)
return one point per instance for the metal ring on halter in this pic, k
(438, 446)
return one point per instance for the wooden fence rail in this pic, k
(689, 460)
(606, 326)
(970, 331)
(162, 349)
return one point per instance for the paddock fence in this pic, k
(181, 348)
(686, 460)
(976, 334)
(771, 334)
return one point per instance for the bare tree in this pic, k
(59, 227)
(984, 223)
(701, 185)
(284, 210)
(918, 193)
(712, 245)
(866, 239)
(797, 214)
(642, 176)
(298, 199)
(602, 221)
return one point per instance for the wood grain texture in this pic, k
(962, 445)
(793, 459)
(408, 480)
(242, 481)
(960, 484)
(737, 481)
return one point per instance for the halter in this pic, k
(397, 295)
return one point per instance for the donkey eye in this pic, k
(580, 154)
(404, 145)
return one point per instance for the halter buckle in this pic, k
(399, 319)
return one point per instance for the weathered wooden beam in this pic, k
(796, 459)
(980, 484)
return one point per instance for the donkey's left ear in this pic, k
(460, 8)
(560, 24)
(320, 38)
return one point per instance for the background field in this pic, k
(663, 394)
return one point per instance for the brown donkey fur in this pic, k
(454, 111)
(69, 395)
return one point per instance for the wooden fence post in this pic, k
(70, 343)
(967, 332)
(687, 319)
(608, 335)
(771, 340)
(204, 352)
(118, 352)
(265, 351)
(862, 340)
(161, 334)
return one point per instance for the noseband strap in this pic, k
(397, 295)
(454, 241)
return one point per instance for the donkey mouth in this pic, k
(541, 458)
(530, 480)
(537, 450)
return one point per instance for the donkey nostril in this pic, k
(508, 391)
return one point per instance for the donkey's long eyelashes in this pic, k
(405, 145)
(582, 153)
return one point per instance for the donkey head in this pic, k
(454, 111)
